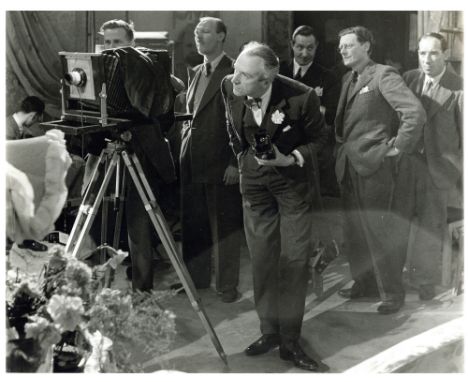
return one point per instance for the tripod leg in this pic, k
(119, 203)
(87, 212)
(164, 233)
(119, 207)
(84, 206)
(104, 217)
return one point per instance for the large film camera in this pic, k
(110, 92)
(107, 91)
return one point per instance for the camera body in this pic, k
(263, 147)
(110, 91)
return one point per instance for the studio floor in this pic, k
(339, 333)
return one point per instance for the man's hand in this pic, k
(393, 150)
(231, 175)
(280, 160)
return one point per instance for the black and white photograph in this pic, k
(196, 189)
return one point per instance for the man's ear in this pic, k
(291, 44)
(221, 36)
(446, 54)
(268, 81)
(367, 45)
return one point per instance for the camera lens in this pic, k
(77, 77)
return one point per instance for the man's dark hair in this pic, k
(220, 26)
(362, 33)
(438, 36)
(115, 24)
(32, 104)
(303, 30)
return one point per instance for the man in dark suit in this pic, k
(211, 203)
(378, 123)
(304, 68)
(153, 152)
(439, 158)
(277, 193)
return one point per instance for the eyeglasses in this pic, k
(345, 46)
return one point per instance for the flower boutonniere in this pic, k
(277, 117)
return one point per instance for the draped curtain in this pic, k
(32, 46)
(277, 30)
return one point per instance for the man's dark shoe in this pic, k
(230, 296)
(293, 352)
(357, 291)
(263, 345)
(390, 306)
(426, 292)
(33, 245)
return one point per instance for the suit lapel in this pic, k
(312, 77)
(192, 87)
(276, 105)
(363, 79)
(341, 104)
(419, 83)
(237, 111)
(290, 70)
(223, 69)
(247, 117)
(439, 96)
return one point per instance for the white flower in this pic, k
(42, 330)
(277, 117)
(66, 311)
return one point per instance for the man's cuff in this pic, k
(299, 159)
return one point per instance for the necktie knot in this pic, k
(251, 102)
(428, 87)
(355, 77)
(207, 67)
(298, 75)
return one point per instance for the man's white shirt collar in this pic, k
(265, 98)
(214, 63)
(435, 80)
(304, 68)
(259, 113)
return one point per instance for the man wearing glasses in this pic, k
(378, 123)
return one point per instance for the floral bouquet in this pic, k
(65, 320)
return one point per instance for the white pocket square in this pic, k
(365, 89)
(287, 128)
